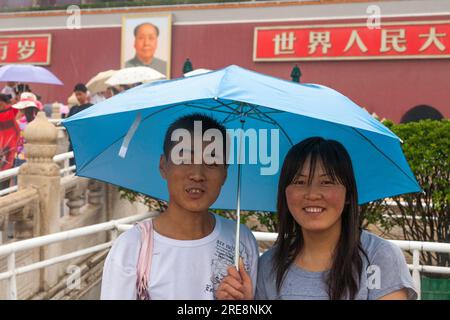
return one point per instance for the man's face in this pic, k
(193, 187)
(81, 97)
(146, 42)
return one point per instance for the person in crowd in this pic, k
(82, 96)
(28, 109)
(9, 89)
(9, 136)
(81, 93)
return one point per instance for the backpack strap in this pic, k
(144, 263)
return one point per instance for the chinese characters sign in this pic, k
(353, 42)
(34, 49)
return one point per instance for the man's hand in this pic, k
(237, 285)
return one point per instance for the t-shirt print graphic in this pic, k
(223, 258)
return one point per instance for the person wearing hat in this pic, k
(28, 109)
(9, 135)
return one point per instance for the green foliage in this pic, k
(427, 148)
(423, 216)
(152, 203)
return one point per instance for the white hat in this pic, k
(27, 99)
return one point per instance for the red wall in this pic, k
(389, 88)
(76, 56)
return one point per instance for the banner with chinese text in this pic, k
(33, 49)
(400, 40)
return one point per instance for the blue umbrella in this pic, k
(120, 140)
(27, 73)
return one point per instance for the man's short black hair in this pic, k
(80, 87)
(136, 29)
(187, 122)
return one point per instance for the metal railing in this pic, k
(11, 249)
(116, 226)
(11, 173)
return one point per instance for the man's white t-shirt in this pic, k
(181, 269)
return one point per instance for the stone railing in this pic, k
(47, 203)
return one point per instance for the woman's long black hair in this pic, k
(30, 113)
(344, 277)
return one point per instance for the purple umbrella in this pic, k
(27, 73)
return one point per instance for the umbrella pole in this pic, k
(238, 202)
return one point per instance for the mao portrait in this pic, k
(146, 42)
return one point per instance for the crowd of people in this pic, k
(18, 107)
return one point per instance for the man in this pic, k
(191, 247)
(145, 43)
(81, 93)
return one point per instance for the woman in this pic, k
(321, 252)
(9, 135)
(28, 109)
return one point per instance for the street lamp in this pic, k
(296, 74)
(187, 67)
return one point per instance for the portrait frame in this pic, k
(164, 45)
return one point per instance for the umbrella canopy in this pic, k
(196, 72)
(137, 119)
(134, 75)
(98, 82)
(27, 73)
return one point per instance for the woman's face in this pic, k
(317, 206)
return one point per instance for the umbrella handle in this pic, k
(238, 202)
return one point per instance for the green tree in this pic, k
(423, 216)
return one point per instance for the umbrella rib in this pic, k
(263, 114)
(204, 108)
(260, 116)
(385, 155)
(226, 105)
(233, 116)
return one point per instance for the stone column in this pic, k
(95, 192)
(41, 173)
(56, 114)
